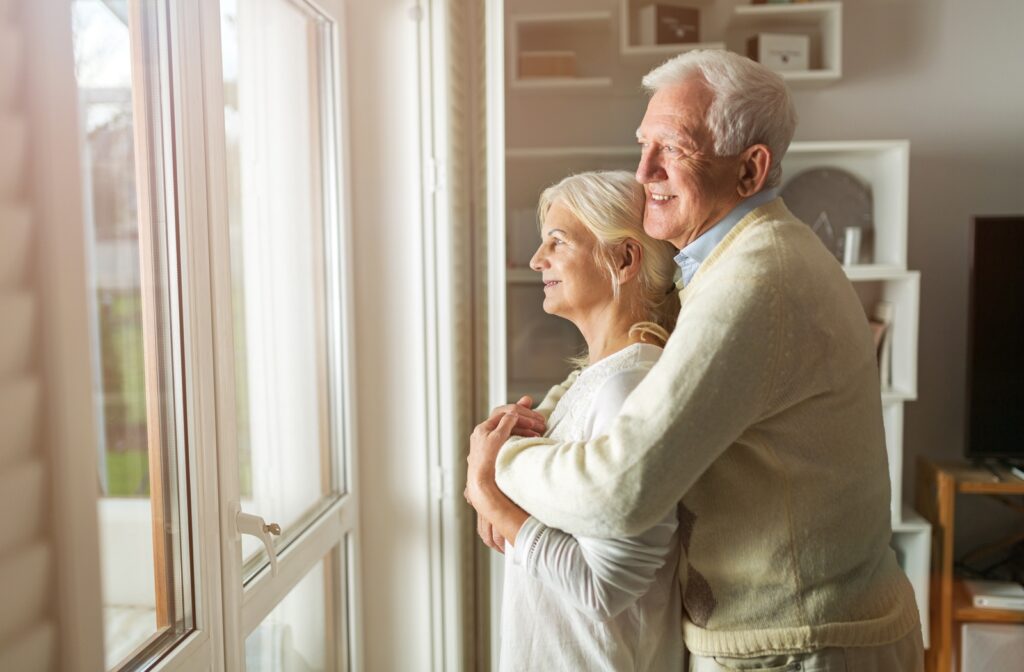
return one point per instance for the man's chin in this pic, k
(660, 227)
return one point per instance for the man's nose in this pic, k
(649, 170)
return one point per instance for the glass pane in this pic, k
(145, 557)
(275, 91)
(295, 636)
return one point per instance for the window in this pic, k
(121, 57)
(214, 190)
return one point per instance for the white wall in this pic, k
(948, 75)
(389, 335)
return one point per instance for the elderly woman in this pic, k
(577, 603)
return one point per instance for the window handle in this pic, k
(247, 523)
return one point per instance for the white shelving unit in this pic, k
(883, 165)
(912, 541)
(584, 33)
(821, 21)
(628, 40)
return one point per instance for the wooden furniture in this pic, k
(938, 485)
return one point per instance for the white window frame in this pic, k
(225, 612)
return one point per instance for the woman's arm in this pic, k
(600, 577)
(493, 508)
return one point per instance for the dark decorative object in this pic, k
(830, 200)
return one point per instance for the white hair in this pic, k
(751, 103)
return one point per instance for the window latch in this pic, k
(247, 523)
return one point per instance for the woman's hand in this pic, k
(528, 421)
(497, 516)
(484, 443)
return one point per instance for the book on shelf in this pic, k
(881, 329)
(996, 594)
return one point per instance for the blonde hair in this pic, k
(611, 205)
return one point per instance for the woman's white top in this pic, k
(578, 603)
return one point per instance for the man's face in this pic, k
(688, 188)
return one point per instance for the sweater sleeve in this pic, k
(550, 400)
(600, 577)
(711, 383)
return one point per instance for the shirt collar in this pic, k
(693, 255)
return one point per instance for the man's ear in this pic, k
(755, 162)
(630, 256)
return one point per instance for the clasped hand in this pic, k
(484, 443)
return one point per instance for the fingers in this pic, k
(505, 425)
(522, 408)
(488, 535)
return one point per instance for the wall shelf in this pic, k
(585, 34)
(822, 22)
(629, 45)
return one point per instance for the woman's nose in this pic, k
(538, 261)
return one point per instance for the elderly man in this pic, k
(763, 416)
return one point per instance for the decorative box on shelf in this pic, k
(668, 24)
(780, 51)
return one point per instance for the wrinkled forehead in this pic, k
(678, 111)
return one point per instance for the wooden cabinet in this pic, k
(938, 486)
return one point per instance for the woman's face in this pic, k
(575, 286)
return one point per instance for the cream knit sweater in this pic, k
(764, 417)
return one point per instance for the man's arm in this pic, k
(710, 385)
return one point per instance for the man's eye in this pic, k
(672, 151)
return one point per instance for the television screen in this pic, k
(995, 339)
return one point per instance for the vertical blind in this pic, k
(27, 620)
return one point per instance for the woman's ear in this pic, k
(631, 255)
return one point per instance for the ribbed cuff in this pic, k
(526, 539)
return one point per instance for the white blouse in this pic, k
(578, 603)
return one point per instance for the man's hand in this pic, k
(528, 421)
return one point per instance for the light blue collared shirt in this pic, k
(693, 255)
